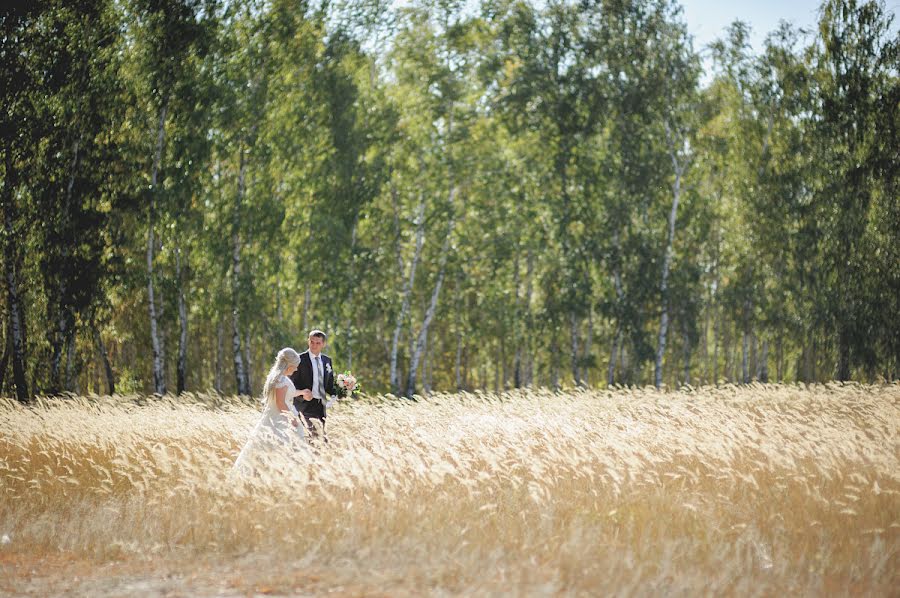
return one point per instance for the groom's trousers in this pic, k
(315, 427)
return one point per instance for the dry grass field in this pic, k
(759, 490)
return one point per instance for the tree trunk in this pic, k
(459, 336)
(64, 316)
(529, 323)
(754, 356)
(71, 380)
(576, 370)
(745, 353)
(156, 338)
(807, 358)
(714, 305)
(104, 358)
(502, 366)
(763, 362)
(239, 372)
(554, 365)
(248, 359)
(842, 370)
(613, 352)
(687, 350)
(620, 299)
(4, 361)
(220, 355)
(588, 347)
(667, 264)
(11, 272)
(457, 368)
(705, 354)
(59, 341)
(779, 358)
(406, 294)
(517, 321)
(726, 347)
(419, 346)
(182, 324)
(427, 367)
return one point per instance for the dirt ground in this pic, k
(71, 575)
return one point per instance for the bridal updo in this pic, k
(285, 358)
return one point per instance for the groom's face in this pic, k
(316, 344)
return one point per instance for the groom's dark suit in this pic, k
(303, 380)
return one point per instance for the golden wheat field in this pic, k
(756, 490)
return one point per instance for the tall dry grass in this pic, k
(754, 490)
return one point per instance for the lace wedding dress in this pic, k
(273, 432)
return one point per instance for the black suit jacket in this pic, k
(303, 379)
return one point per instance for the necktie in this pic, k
(321, 380)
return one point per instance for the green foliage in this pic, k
(463, 198)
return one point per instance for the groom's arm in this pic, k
(329, 379)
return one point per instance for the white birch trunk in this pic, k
(613, 352)
(587, 348)
(517, 326)
(745, 370)
(745, 347)
(239, 373)
(422, 339)
(620, 298)
(459, 337)
(705, 355)
(217, 380)
(71, 380)
(576, 371)
(779, 358)
(156, 338)
(667, 262)
(406, 294)
(529, 291)
(181, 367)
(754, 355)
(248, 359)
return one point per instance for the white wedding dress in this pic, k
(273, 432)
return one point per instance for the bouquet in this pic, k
(346, 385)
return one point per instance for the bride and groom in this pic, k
(297, 393)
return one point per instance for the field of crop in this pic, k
(758, 490)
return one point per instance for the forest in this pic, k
(464, 195)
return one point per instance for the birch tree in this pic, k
(678, 73)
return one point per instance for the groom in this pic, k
(316, 374)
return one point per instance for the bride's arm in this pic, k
(281, 403)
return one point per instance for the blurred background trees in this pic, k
(464, 195)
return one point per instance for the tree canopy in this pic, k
(463, 195)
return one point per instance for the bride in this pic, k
(279, 425)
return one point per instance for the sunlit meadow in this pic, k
(771, 490)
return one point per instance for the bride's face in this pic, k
(290, 370)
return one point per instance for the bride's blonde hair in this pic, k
(285, 358)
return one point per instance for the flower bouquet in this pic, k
(346, 385)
